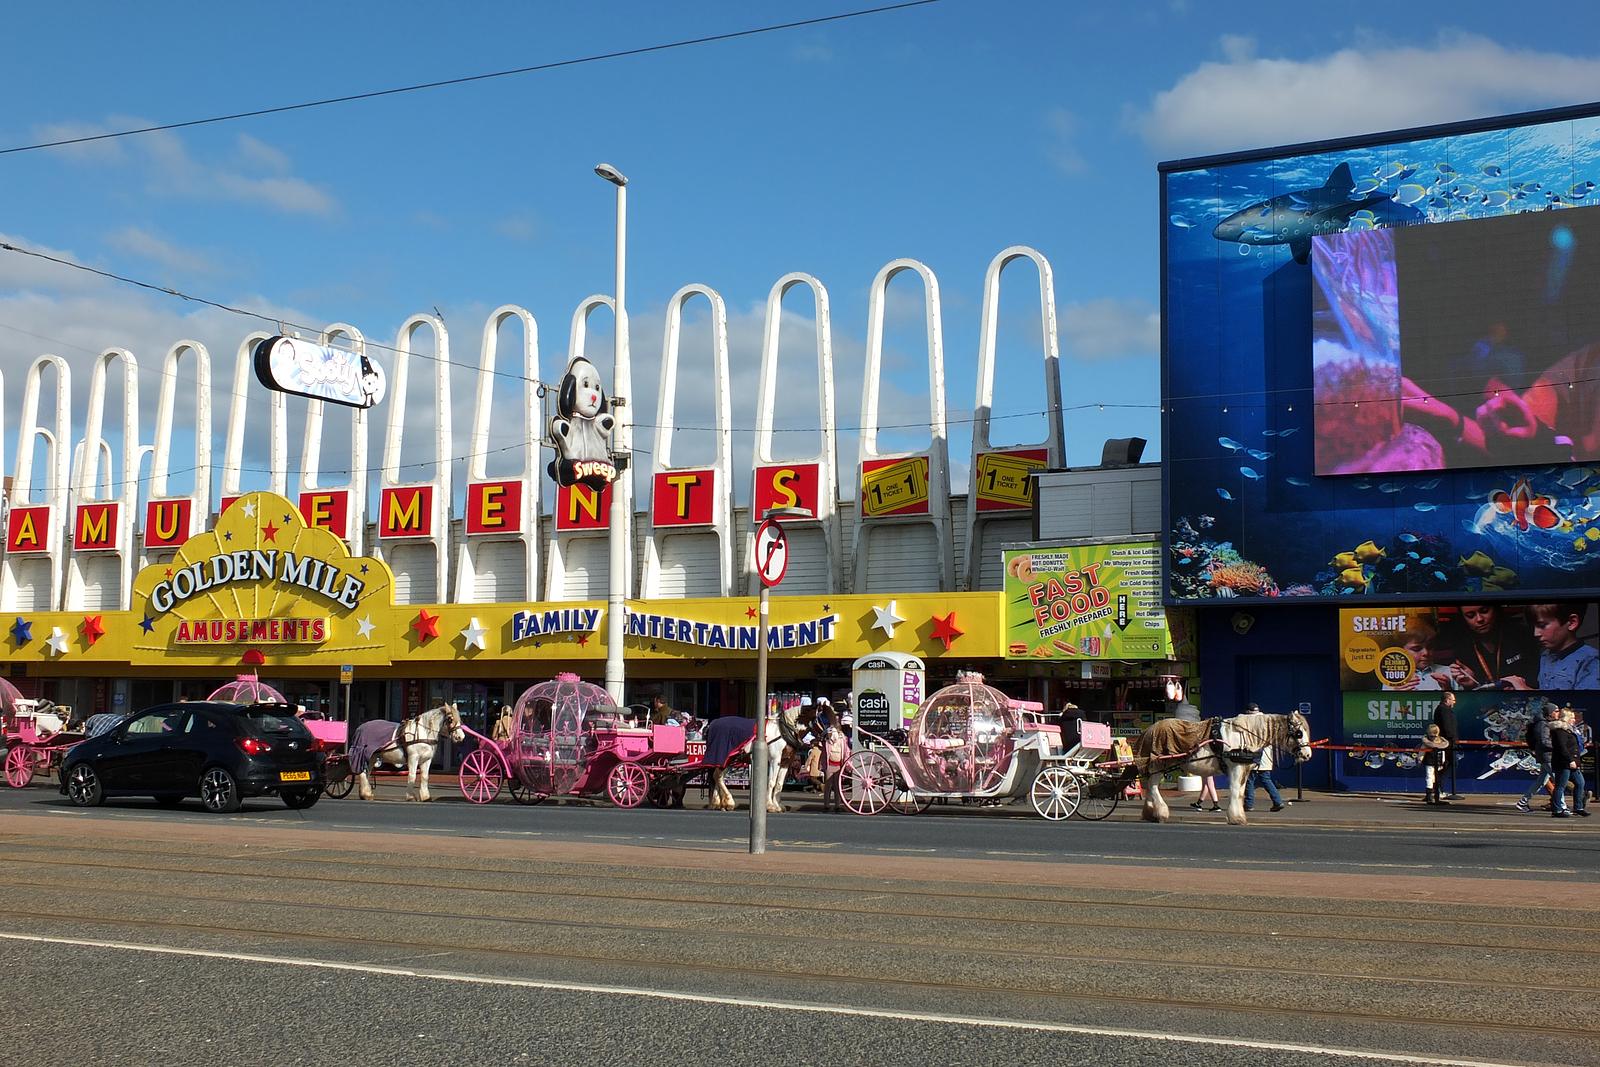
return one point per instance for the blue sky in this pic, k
(942, 133)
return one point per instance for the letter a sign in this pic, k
(772, 553)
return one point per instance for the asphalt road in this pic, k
(449, 934)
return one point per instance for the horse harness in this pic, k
(398, 741)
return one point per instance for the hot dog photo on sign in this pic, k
(581, 429)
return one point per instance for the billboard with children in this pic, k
(1545, 647)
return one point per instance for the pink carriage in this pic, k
(969, 741)
(568, 739)
(36, 733)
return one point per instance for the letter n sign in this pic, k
(494, 507)
(28, 529)
(406, 511)
(166, 522)
(94, 527)
(684, 498)
(579, 507)
(327, 509)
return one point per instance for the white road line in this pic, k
(750, 1002)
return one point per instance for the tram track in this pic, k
(1182, 908)
(857, 937)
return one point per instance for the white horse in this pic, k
(409, 744)
(1234, 754)
(780, 727)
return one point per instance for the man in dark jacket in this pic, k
(1538, 738)
(1566, 758)
(1444, 717)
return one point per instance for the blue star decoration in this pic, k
(148, 625)
(22, 631)
(363, 568)
(287, 519)
(228, 536)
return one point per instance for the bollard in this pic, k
(1299, 783)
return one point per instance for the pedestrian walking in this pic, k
(1261, 775)
(1566, 758)
(1444, 717)
(1435, 751)
(1538, 741)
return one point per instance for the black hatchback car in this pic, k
(220, 753)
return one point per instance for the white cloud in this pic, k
(1247, 101)
(156, 249)
(1110, 328)
(811, 52)
(517, 227)
(255, 172)
(1061, 134)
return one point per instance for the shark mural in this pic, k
(1293, 219)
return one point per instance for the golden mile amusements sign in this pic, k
(263, 580)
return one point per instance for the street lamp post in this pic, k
(622, 444)
(772, 559)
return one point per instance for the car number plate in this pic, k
(294, 776)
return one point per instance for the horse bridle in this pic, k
(444, 726)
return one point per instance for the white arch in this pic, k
(938, 516)
(278, 447)
(687, 543)
(311, 446)
(57, 489)
(399, 387)
(827, 459)
(1054, 443)
(470, 561)
(166, 403)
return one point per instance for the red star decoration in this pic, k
(169, 572)
(426, 626)
(583, 640)
(749, 613)
(269, 532)
(946, 630)
(93, 629)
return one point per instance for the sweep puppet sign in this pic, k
(1098, 601)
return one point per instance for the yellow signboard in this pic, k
(1003, 481)
(894, 487)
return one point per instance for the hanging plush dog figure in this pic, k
(581, 429)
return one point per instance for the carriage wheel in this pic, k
(907, 801)
(627, 785)
(480, 777)
(1056, 793)
(523, 795)
(339, 779)
(19, 767)
(867, 782)
(1100, 795)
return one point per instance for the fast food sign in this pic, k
(1085, 602)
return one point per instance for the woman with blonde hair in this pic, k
(1434, 750)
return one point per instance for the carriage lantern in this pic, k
(962, 738)
(247, 689)
(552, 736)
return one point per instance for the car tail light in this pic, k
(252, 746)
(316, 745)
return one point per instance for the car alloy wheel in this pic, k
(83, 786)
(218, 791)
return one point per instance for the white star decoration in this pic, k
(472, 636)
(249, 509)
(57, 641)
(886, 620)
(365, 627)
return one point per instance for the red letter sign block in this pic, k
(28, 529)
(406, 511)
(580, 508)
(94, 527)
(327, 509)
(786, 485)
(166, 522)
(684, 498)
(494, 507)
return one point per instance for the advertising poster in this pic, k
(1497, 716)
(1512, 647)
(1096, 601)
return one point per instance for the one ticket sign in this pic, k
(772, 552)
(1003, 481)
(894, 487)
(319, 372)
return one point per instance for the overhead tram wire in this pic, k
(535, 68)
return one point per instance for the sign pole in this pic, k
(758, 744)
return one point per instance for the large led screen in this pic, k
(1461, 344)
(1462, 266)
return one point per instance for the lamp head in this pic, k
(611, 174)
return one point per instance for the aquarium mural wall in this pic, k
(1351, 410)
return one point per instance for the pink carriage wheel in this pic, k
(867, 782)
(627, 785)
(480, 776)
(19, 767)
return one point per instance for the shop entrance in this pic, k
(1280, 684)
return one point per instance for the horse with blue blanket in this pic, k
(409, 743)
